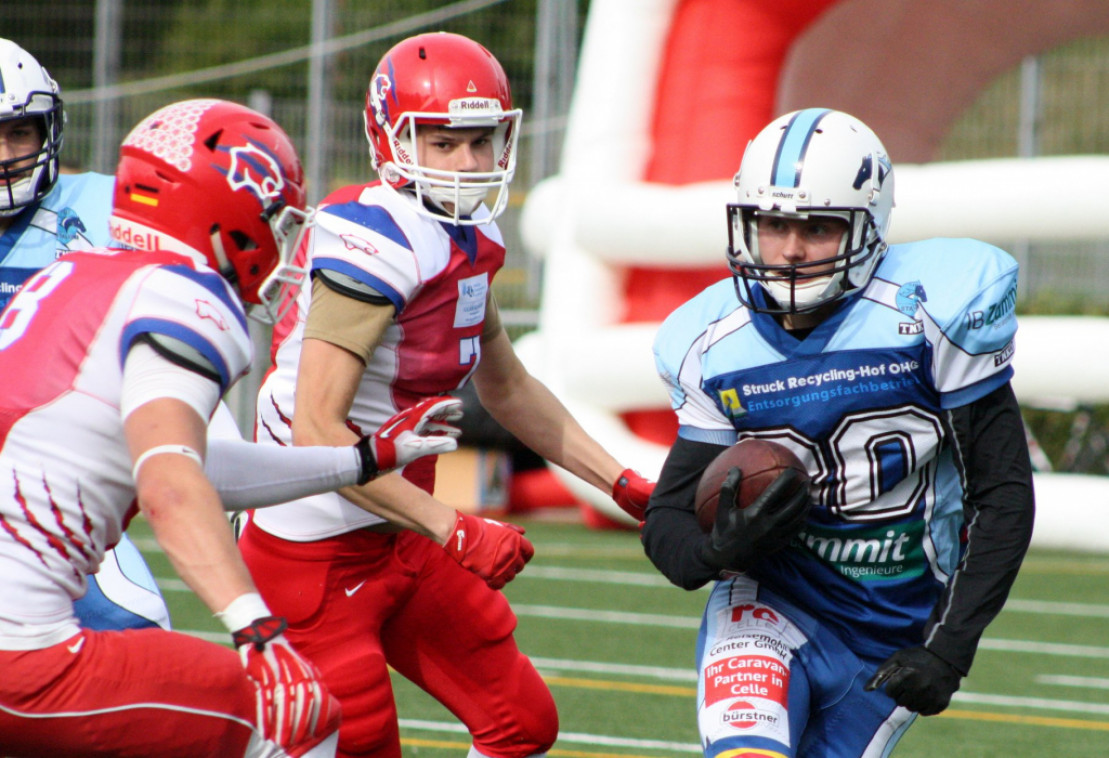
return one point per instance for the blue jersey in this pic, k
(73, 216)
(860, 401)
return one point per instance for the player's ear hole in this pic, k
(242, 241)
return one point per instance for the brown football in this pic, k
(761, 461)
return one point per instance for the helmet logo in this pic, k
(257, 170)
(471, 87)
(380, 87)
(866, 171)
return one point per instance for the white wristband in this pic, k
(184, 450)
(242, 611)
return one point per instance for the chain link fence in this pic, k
(304, 63)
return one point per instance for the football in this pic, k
(761, 461)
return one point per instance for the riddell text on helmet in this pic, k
(135, 239)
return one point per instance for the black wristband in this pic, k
(369, 464)
(260, 631)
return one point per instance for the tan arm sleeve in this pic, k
(351, 324)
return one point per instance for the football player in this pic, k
(45, 213)
(886, 369)
(401, 305)
(113, 361)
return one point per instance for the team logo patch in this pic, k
(204, 309)
(354, 242)
(69, 226)
(910, 296)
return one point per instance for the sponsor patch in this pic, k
(879, 553)
(472, 293)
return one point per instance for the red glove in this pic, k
(631, 492)
(427, 428)
(295, 709)
(493, 550)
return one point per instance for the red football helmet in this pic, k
(219, 180)
(448, 80)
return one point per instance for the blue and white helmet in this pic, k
(813, 162)
(26, 90)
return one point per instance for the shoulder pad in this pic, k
(347, 285)
(181, 353)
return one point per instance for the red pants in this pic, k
(133, 693)
(363, 601)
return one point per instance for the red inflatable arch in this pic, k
(669, 93)
(908, 68)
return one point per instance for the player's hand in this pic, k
(427, 428)
(631, 492)
(917, 679)
(295, 709)
(493, 550)
(742, 536)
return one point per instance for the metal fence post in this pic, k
(105, 66)
(319, 102)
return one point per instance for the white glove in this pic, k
(427, 428)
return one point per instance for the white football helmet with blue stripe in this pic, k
(27, 91)
(813, 162)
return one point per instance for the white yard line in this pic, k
(1086, 682)
(593, 740)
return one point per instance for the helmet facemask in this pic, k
(278, 292)
(20, 180)
(799, 287)
(452, 195)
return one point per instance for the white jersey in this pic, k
(437, 276)
(66, 492)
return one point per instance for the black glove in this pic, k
(741, 536)
(917, 679)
